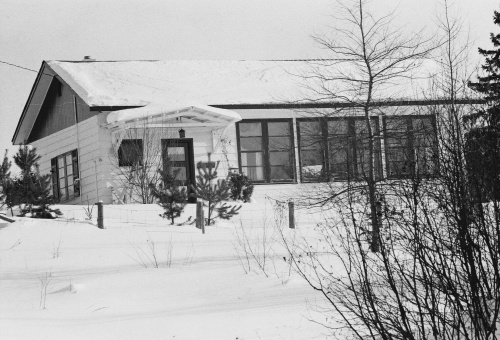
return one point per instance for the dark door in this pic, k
(178, 157)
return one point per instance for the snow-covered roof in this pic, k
(173, 82)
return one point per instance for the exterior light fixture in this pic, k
(182, 133)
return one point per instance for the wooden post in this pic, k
(200, 216)
(291, 215)
(100, 217)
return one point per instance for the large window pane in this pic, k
(309, 128)
(280, 158)
(338, 127)
(250, 129)
(176, 153)
(254, 173)
(251, 143)
(311, 157)
(180, 172)
(282, 172)
(279, 143)
(251, 159)
(423, 124)
(396, 124)
(278, 129)
(361, 127)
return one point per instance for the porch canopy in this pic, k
(154, 115)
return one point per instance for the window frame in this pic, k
(266, 164)
(75, 173)
(352, 163)
(410, 147)
(125, 162)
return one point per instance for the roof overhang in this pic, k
(165, 116)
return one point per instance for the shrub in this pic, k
(241, 187)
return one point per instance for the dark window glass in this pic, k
(250, 129)
(250, 143)
(411, 146)
(65, 176)
(266, 150)
(130, 152)
(345, 142)
(280, 151)
(311, 148)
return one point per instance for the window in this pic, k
(312, 145)
(266, 150)
(65, 176)
(130, 152)
(411, 146)
(337, 149)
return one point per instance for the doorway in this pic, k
(178, 156)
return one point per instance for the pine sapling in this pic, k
(213, 195)
(171, 197)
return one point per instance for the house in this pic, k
(88, 120)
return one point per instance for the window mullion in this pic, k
(265, 147)
(352, 167)
(411, 148)
(326, 149)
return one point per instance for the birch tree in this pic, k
(370, 61)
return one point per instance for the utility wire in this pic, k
(24, 68)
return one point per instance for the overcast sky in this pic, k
(37, 30)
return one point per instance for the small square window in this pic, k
(130, 152)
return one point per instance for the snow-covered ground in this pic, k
(67, 279)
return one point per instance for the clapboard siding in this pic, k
(85, 138)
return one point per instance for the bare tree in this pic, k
(369, 62)
(137, 155)
(436, 275)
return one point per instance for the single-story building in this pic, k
(91, 120)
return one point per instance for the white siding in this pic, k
(85, 138)
(220, 143)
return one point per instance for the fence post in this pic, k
(100, 217)
(200, 218)
(291, 215)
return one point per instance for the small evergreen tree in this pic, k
(241, 187)
(213, 195)
(4, 178)
(31, 190)
(170, 196)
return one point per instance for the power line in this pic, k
(24, 68)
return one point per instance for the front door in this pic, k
(178, 157)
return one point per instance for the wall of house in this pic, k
(98, 160)
(219, 142)
(58, 111)
(85, 137)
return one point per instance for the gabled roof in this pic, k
(173, 84)
(35, 100)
